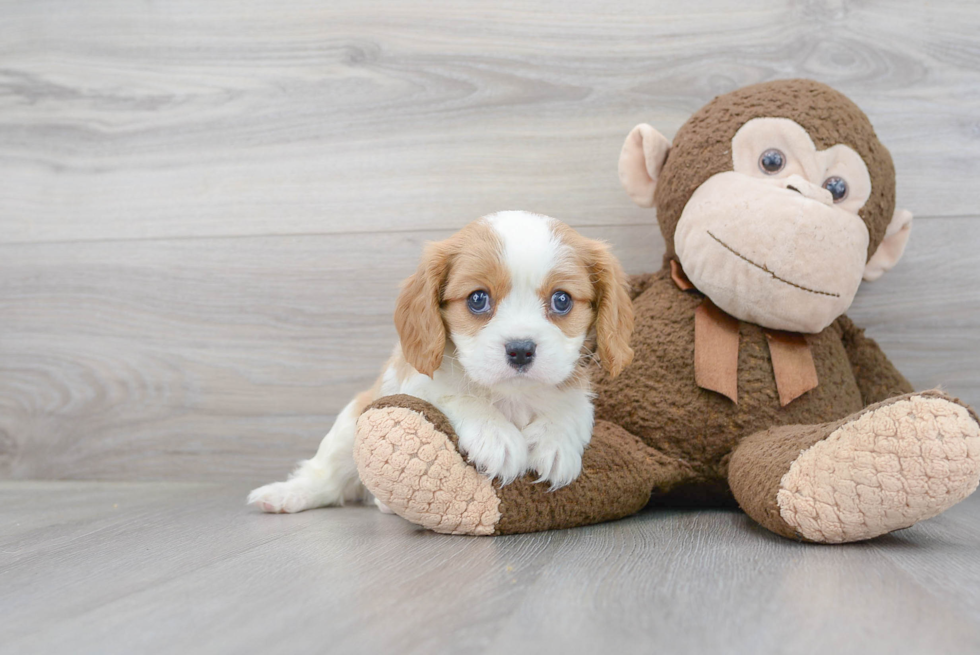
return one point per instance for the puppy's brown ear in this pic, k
(417, 317)
(614, 310)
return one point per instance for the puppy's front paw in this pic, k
(282, 497)
(554, 454)
(496, 448)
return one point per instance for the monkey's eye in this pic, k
(478, 302)
(561, 302)
(772, 161)
(837, 187)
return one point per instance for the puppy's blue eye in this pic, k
(772, 161)
(478, 302)
(837, 187)
(561, 302)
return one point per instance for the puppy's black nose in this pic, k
(520, 353)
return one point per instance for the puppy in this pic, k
(493, 331)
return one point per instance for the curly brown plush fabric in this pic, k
(657, 399)
(618, 477)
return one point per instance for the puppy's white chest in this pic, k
(517, 410)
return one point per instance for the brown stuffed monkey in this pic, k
(748, 383)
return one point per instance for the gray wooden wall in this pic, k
(206, 205)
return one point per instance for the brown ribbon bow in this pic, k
(716, 351)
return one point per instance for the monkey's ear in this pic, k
(891, 247)
(640, 162)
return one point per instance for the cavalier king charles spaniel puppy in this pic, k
(497, 329)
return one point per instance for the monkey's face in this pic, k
(778, 241)
(774, 229)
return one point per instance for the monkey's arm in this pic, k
(877, 377)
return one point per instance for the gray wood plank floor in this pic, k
(149, 568)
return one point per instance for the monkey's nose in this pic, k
(808, 189)
(520, 354)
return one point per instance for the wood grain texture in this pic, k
(185, 568)
(134, 120)
(206, 207)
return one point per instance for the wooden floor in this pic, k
(185, 568)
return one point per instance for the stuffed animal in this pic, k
(749, 383)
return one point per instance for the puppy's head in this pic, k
(517, 294)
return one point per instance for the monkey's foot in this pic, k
(406, 456)
(897, 463)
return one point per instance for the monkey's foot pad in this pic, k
(413, 467)
(891, 467)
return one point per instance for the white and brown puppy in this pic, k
(493, 330)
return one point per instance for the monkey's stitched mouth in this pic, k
(767, 271)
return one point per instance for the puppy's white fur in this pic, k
(508, 421)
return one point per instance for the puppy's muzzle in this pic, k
(520, 354)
